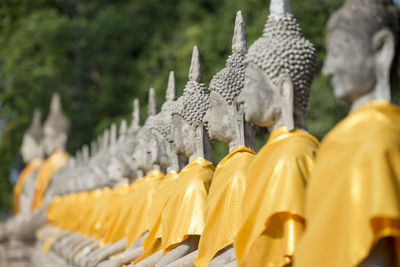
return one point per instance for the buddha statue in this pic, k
(182, 220)
(18, 247)
(226, 123)
(56, 128)
(278, 77)
(23, 226)
(352, 209)
(32, 154)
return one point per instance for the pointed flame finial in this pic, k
(152, 106)
(239, 43)
(113, 134)
(171, 89)
(93, 149)
(55, 104)
(136, 112)
(123, 127)
(85, 154)
(195, 74)
(279, 8)
(106, 139)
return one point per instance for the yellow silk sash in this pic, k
(141, 202)
(28, 170)
(152, 243)
(53, 163)
(224, 204)
(184, 213)
(275, 193)
(353, 198)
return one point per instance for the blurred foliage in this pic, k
(101, 54)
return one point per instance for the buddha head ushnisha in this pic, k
(225, 117)
(363, 51)
(188, 132)
(140, 153)
(279, 72)
(32, 147)
(56, 127)
(161, 148)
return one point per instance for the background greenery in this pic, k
(101, 54)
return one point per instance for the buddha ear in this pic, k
(383, 44)
(198, 130)
(286, 96)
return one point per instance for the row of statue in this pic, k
(148, 195)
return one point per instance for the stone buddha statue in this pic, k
(353, 196)
(278, 77)
(18, 248)
(183, 217)
(226, 123)
(32, 154)
(56, 128)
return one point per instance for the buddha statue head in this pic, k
(363, 51)
(225, 117)
(32, 147)
(189, 134)
(161, 147)
(140, 153)
(279, 72)
(56, 127)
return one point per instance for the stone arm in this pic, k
(24, 225)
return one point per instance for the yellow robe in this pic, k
(353, 198)
(53, 163)
(184, 213)
(120, 217)
(28, 170)
(152, 243)
(224, 204)
(140, 204)
(273, 205)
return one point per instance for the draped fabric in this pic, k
(273, 205)
(224, 204)
(353, 198)
(119, 217)
(30, 168)
(52, 164)
(112, 206)
(140, 203)
(152, 242)
(184, 214)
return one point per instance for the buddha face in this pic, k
(184, 136)
(30, 149)
(158, 149)
(116, 169)
(350, 64)
(260, 97)
(54, 141)
(141, 155)
(220, 119)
